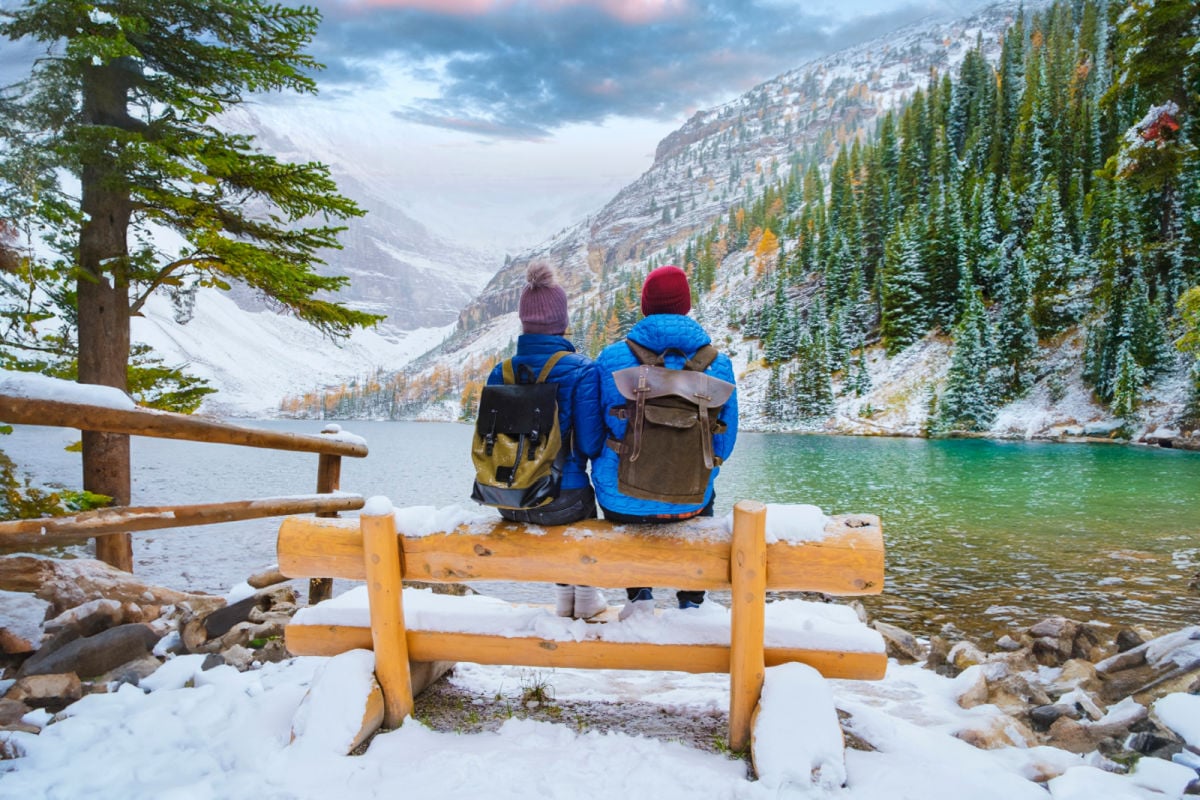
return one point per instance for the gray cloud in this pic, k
(521, 72)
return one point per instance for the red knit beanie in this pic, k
(543, 305)
(666, 291)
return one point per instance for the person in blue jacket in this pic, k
(666, 301)
(543, 313)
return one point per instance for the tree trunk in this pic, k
(103, 295)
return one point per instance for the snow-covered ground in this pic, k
(189, 733)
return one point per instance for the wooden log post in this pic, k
(748, 578)
(381, 550)
(329, 479)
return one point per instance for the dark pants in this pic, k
(626, 519)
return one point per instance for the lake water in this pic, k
(986, 535)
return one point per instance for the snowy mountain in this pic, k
(722, 155)
(721, 160)
(397, 267)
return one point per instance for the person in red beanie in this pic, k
(666, 330)
(542, 309)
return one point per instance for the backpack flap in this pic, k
(516, 409)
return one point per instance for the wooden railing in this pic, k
(119, 521)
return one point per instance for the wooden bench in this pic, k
(697, 554)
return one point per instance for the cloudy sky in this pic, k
(524, 115)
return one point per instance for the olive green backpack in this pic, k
(517, 447)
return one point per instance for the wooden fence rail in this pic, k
(119, 521)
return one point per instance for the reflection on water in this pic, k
(985, 535)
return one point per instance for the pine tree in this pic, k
(968, 402)
(1051, 259)
(905, 314)
(1016, 338)
(1127, 383)
(125, 104)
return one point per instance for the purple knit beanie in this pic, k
(543, 306)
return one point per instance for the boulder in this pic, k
(131, 672)
(901, 645)
(21, 617)
(11, 711)
(1014, 693)
(1076, 672)
(66, 583)
(994, 733)
(939, 654)
(53, 692)
(1161, 666)
(965, 654)
(94, 655)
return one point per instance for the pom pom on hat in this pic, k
(666, 291)
(543, 305)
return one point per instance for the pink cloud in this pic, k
(633, 12)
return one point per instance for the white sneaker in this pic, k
(589, 602)
(564, 600)
(644, 604)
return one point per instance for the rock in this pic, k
(268, 577)
(965, 654)
(94, 655)
(11, 711)
(21, 617)
(939, 652)
(1155, 669)
(53, 692)
(88, 619)
(261, 615)
(1042, 717)
(971, 688)
(1075, 673)
(901, 645)
(1128, 639)
(1067, 734)
(132, 672)
(1015, 692)
(238, 657)
(1008, 644)
(66, 583)
(994, 733)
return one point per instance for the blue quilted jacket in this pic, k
(578, 399)
(658, 332)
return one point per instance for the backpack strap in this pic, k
(549, 365)
(701, 360)
(510, 377)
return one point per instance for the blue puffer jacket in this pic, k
(658, 332)
(578, 398)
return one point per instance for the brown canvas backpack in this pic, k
(671, 416)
